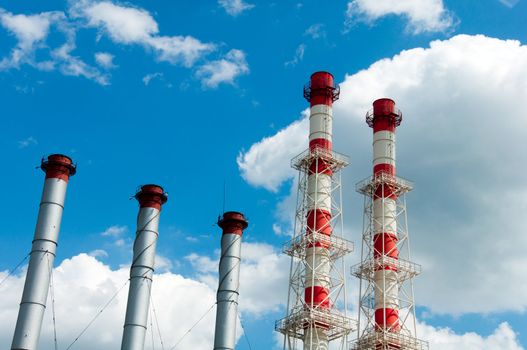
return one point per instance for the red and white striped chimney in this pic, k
(58, 169)
(384, 121)
(317, 279)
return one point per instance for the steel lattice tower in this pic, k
(386, 306)
(317, 286)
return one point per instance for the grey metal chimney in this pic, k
(58, 169)
(233, 224)
(151, 198)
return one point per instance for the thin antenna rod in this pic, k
(224, 195)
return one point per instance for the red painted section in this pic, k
(392, 319)
(385, 117)
(233, 222)
(383, 106)
(318, 220)
(385, 191)
(384, 168)
(151, 196)
(317, 296)
(385, 244)
(322, 87)
(320, 167)
(58, 166)
(321, 143)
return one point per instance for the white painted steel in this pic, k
(141, 273)
(319, 192)
(318, 267)
(316, 339)
(228, 292)
(387, 295)
(384, 148)
(385, 215)
(33, 304)
(321, 122)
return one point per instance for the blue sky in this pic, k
(193, 97)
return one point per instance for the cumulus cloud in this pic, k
(260, 291)
(149, 77)
(105, 60)
(461, 99)
(266, 163)
(235, 7)
(32, 31)
(133, 25)
(223, 71)
(115, 231)
(422, 15)
(83, 285)
(503, 338)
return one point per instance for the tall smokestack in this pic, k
(58, 169)
(317, 281)
(232, 224)
(150, 198)
(386, 272)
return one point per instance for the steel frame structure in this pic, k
(301, 315)
(369, 335)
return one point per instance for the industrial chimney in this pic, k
(58, 169)
(150, 198)
(386, 272)
(232, 224)
(317, 282)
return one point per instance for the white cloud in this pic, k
(509, 3)
(266, 163)
(163, 264)
(105, 60)
(422, 15)
(31, 32)
(27, 142)
(98, 253)
(74, 66)
(149, 77)
(225, 70)
(235, 7)
(115, 231)
(503, 338)
(84, 285)
(260, 290)
(316, 31)
(299, 56)
(133, 25)
(462, 101)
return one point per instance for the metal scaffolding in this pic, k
(301, 315)
(369, 335)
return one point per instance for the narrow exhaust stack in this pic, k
(233, 224)
(151, 198)
(58, 169)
